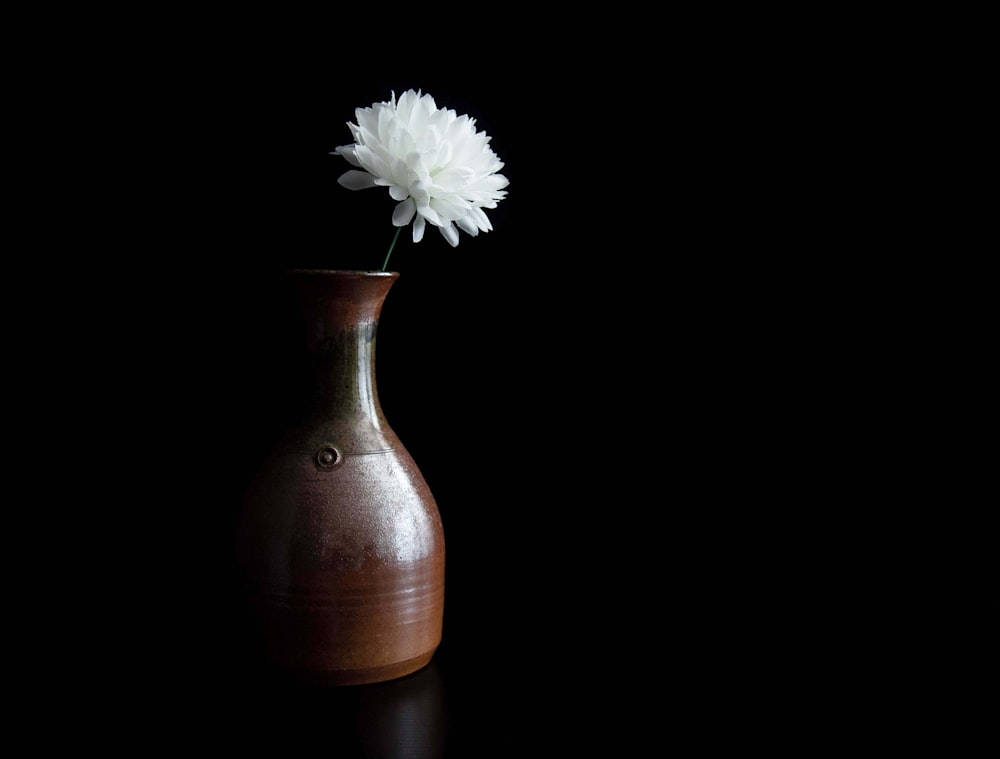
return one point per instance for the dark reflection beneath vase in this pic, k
(405, 718)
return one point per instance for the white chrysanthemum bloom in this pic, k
(434, 162)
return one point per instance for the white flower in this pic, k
(434, 162)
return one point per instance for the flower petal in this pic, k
(450, 234)
(418, 228)
(356, 180)
(398, 193)
(430, 214)
(482, 220)
(419, 191)
(491, 183)
(371, 161)
(467, 225)
(367, 120)
(454, 178)
(451, 207)
(347, 152)
(403, 213)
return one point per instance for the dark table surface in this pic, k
(516, 684)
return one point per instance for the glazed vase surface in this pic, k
(340, 542)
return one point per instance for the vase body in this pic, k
(340, 542)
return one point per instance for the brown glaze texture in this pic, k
(340, 539)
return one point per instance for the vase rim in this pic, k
(346, 272)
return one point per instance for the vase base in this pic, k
(364, 676)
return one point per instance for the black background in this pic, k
(589, 390)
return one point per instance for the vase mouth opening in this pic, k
(344, 273)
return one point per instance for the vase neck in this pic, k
(340, 318)
(343, 370)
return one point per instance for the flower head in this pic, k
(434, 162)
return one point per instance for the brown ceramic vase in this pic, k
(340, 541)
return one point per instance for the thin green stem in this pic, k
(394, 238)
